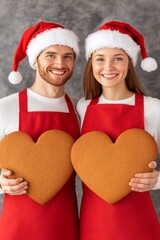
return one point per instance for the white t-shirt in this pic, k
(151, 115)
(9, 109)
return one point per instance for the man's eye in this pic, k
(100, 59)
(50, 55)
(68, 57)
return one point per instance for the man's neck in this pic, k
(48, 91)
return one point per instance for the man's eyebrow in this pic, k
(52, 52)
(70, 53)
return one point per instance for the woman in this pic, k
(111, 82)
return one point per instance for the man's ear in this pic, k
(35, 64)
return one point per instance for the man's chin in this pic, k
(57, 83)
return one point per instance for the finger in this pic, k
(10, 182)
(16, 193)
(15, 188)
(141, 187)
(6, 172)
(145, 181)
(153, 174)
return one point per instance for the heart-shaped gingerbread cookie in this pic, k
(45, 165)
(107, 167)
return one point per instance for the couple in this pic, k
(109, 78)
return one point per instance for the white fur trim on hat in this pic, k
(112, 39)
(149, 64)
(54, 36)
(15, 77)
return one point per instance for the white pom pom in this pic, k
(149, 64)
(15, 77)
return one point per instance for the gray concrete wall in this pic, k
(83, 17)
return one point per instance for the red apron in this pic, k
(134, 217)
(24, 219)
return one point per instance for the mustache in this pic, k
(57, 68)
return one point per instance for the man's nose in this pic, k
(58, 61)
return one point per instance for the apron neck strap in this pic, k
(69, 103)
(23, 103)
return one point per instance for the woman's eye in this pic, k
(117, 59)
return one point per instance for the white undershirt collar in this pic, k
(129, 101)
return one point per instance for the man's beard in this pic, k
(51, 80)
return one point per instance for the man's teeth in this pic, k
(58, 72)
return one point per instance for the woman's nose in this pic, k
(108, 64)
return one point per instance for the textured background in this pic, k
(83, 17)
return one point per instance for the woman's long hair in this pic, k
(93, 89)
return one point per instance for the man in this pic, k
(51, 50)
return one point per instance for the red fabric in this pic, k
(23, 218)
(134, 216)
(125, 28)
(29, 35)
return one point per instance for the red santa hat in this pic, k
(120, 35)
(35, 39)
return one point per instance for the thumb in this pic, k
(6, 172)
(152, 165)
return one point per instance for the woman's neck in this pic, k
(113, 94)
